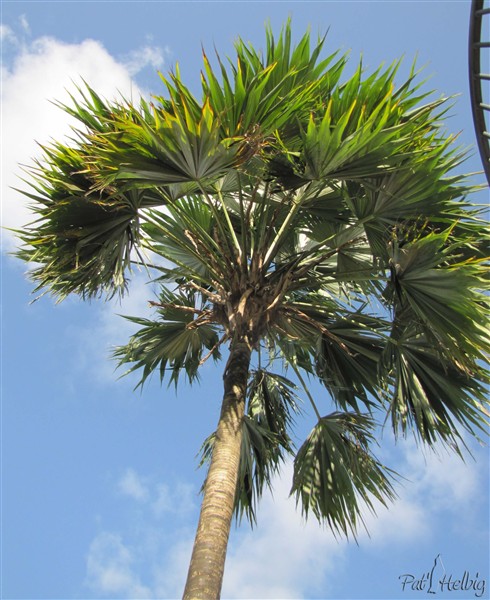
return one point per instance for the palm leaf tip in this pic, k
(335, 473)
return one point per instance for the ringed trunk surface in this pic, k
(207, 564)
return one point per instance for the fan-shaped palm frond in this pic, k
(265, 439)
(441, 293)
(83, 239)
(432, 394)
(175, 342)
(335, 472)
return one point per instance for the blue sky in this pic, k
(100, 484)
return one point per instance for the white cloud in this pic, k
(132, 485)
(258, 567)
(94, 351)
(7, 34)
(284, 556)
(146, 56)
(24, 24)
(433, 483)
(276, 559)
(406, 522)
(446, 479)
(110, 568)
(163, 498)
(170, 574)
(150, 560)
(42, 72)
(179, 498)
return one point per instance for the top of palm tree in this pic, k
(321, 214)
(284, 117)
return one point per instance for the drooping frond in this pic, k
(266, 440)
(82, 239)
(335, 474)
(177, 341)
(432, 394)
(431, 285)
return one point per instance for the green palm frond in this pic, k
(180, 340)
(260, 459)
(169, 143)
(429, 285)
(364, 127)
(347, 360)
(185, 238)
(82, 239)
(261, 94)
(168, 146)
(266, 441)
(272, 401)
(434, 395)
(335, 474)
(341, 347)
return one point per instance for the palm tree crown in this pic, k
(295, 214)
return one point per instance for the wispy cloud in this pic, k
(449, 481)
(111, 571)
(180, 498)
(276, 559)
(132, 485)
(145, 56)
(40, 71)
(7, 35)
(149, 560)
(24, 23)
(94, 352)
(162, 498)
(438, 492)
(286, 557)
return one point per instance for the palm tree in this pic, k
(307, 225)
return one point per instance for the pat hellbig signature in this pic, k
(437, 581)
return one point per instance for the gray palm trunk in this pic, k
(205, 576)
